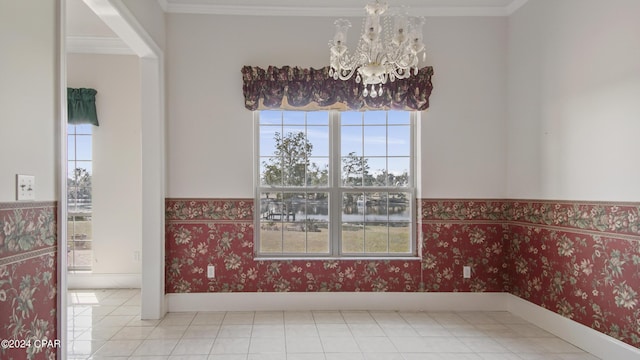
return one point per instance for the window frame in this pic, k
(335, 189)
(75, 213)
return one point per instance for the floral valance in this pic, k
(81, 106)
(313, 89)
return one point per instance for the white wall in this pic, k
(210, 133)
(151, 17)
(574, 85)
(464, 131)
(28, 87)
(117, 182)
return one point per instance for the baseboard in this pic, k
(586, 338)
(103, 281)
(296, 301)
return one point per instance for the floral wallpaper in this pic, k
(26, 228)
(579, 259)
(616, 218)
(462, 233)
(449, 247)
(220, 232)
(28, 278)
(209, 210)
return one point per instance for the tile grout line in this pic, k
(386, 321)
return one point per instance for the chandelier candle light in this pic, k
(379, 57)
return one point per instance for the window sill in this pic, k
(337, 258)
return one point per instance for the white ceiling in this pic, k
(82, 21)
(86, 32)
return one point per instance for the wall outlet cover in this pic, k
(25, 187)
(466, 272)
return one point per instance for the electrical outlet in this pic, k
(136, 256)
(466, 272)
(25, 187)
(211, 271)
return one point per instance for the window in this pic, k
(79, 199)
(335, 183)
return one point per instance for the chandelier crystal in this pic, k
(382, 54)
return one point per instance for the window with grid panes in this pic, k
(79, 196)
(335, 183)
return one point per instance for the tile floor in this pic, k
(105, 324)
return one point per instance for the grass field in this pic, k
(79, 228)
(79, 236)
(355, 239)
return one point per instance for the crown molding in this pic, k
(164, 4)
(213, 9)
(515, 5)
(97, 45)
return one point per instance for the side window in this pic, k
(79, 199)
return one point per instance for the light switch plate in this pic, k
(211, 271)
(25, 187)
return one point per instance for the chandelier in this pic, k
(382, 54)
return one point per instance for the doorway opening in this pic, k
(149, 57)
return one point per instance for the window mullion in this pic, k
(335, 199)
(412, 181)
(257, 183)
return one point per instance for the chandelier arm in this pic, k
(399, 73)
(402, 55)
(406, 60)
(347, 63)
(348, 75)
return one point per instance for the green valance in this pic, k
(81, 106)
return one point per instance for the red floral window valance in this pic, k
(313, 89)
